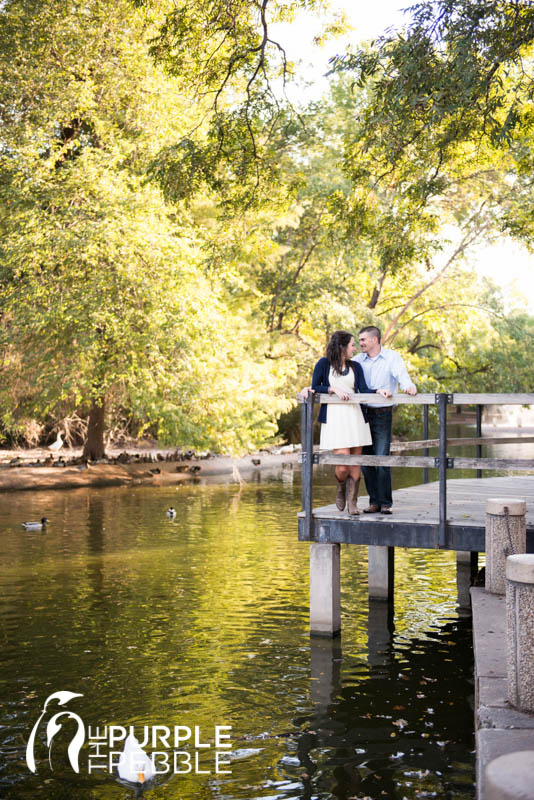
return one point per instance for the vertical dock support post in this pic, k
(466, 569)
(520, 630)
(443, 400)
(425, 436)
(467, 560)
(325, 590)
(505, 535)
(307, 465)
(479, 434)
(381, 572)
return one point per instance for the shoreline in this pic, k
(26, 476)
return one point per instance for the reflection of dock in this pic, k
(415, 521)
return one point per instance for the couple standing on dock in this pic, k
(348, 429)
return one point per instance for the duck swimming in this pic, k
(35, 526)
(171, 512)
(135, 765)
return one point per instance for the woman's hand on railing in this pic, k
(384, 392)
(340, 393)
(306, 391)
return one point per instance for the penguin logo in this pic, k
(53, 727)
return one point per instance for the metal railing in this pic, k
(443, 462)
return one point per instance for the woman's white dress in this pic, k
(345, 425)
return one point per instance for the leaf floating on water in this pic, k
(398, 708)
(400, 723)
(243, 752)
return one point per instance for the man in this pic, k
(383, 369)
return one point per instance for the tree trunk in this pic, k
(94, 444)
(376, 291)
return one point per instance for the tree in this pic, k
(224, 55)
(457, 73)
(104, 301)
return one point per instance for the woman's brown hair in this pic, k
(336, 347)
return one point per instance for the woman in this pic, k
(344, 429)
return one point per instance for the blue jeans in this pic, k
(378, 479)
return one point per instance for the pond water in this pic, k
(203, 621)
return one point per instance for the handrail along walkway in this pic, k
(443, 461)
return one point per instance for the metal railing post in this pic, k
(425, 436)
(479, 434)
(307, 468)
(303, 422)
(443, 400)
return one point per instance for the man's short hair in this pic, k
(373, 330)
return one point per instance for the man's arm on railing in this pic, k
(399, 371)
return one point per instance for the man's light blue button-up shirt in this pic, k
(385, 371)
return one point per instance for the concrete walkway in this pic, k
(500, 729)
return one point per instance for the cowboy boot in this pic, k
(352, 495)
(340, 495)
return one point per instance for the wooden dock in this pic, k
(415, 520)
(449, 514)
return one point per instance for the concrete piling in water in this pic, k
(463, 557)
(325, 590)
(381, 573)
(505, 535)
(511, 777)
(463, 586)
(520, 630)
(466, 569)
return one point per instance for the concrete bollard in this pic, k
(504, 536)
(511, 777)
(520, 630)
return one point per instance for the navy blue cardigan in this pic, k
(321, 383)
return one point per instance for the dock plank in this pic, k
(415, 519)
